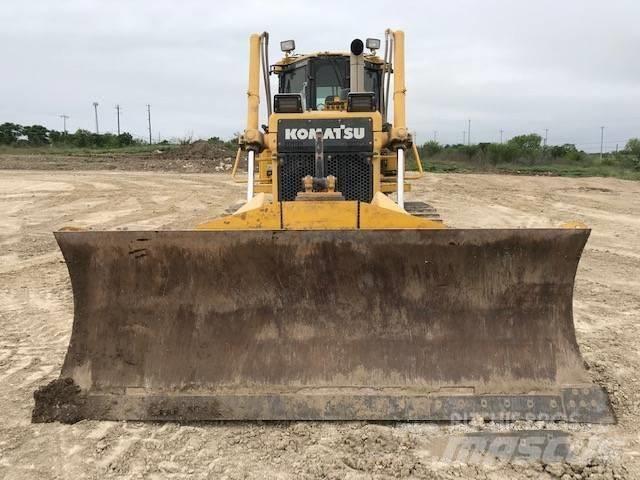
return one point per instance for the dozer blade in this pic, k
(440, 324)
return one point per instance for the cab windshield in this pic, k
(331, 81)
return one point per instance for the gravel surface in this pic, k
(36, 312)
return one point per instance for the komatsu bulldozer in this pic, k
(325, 296)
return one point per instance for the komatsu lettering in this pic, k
(331, 133)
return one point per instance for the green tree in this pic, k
(633, 147)
(527, 144)
(10, 133)
(502, 153)
(36, 134)
(431, 148)
(104, 140)
(81, 138)
(568, 151)
(528, 147)
(125, 139)
(58, 138)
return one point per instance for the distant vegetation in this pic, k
(37, 136)
(526, 154)
(231, 144)
(18, 139)
(523, 154)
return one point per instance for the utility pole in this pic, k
(64, 122)
(149, 120)
(601, 141)
(469, 133)
(501, 131)
(95, 109)
(546, 133)
(118, 115)
(435, 135)
(464, 137)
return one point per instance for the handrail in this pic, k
(264, 58)
(400, 175)
(410, 175)
(387, 66)
(420, 174)
(235, 168)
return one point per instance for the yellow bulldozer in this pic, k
(325, 296)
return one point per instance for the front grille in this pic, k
(353, 171)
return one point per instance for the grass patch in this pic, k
(88, 151)
(594, 169)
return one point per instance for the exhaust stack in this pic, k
(356, 62)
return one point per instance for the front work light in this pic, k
(361, 102)
(287, 103)
(288, 46)
(373, 43)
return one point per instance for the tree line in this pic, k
(526, 149)
(522, 149)
(38, 135)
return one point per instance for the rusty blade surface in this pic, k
(315, 324)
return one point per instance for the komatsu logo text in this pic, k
(331, 133)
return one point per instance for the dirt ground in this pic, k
(36, 312)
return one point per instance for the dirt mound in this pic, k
(200, 149)
(219, 156)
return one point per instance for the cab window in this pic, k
(293, 80)
(330, 81)
(372, 77)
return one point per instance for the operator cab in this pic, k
(323, 80)
(330, 81)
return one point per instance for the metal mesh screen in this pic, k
(354, 172)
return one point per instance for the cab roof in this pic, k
(298, 57)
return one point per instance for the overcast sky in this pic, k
(520, 66)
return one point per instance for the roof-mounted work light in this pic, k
(288, 46)
(373, 44)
